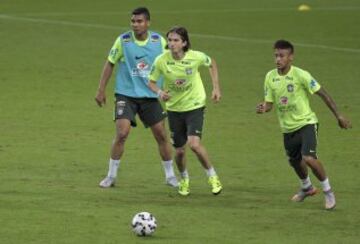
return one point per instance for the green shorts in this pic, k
(149, 109)
(301, 143)
(184, 124)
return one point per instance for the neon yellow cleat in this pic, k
(215, 184)
(184, 187)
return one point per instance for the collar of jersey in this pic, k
(178, 60)
(140, 43)
(289, 72)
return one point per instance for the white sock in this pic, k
(113, 167)
(325, 185)
(305, 183)
(168, 168)
(184, 174)
(210, 172)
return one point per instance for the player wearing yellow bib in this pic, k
(184, 96)
(288, 89)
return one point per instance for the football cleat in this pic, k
(172, 181)
(215, 184)
(304, 193)
(184, 187)
(330, 201)
(107, 182)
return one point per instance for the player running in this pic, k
(184, 96)
(288, 88)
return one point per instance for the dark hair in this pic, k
(182, 32)
(283, 44)
(142, 10)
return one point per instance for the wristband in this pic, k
(159, 92)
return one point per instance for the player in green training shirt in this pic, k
(184, 96)
(288, 89)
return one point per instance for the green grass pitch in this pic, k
(54, 140)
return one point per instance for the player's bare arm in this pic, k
(100, 97)
(163, 95)
(264, 107)
(213, 70)
(342, 121)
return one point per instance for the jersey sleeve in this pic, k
(155, 71)
(310, 84)
(115, 52)
(204, 59)
(268, 95)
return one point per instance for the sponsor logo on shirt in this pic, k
(142, 65)
(140, 57)
(179, 82)
(276, 79)
(180, 85)
(142, 69)
(283, 100)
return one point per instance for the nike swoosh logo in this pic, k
(139, 57)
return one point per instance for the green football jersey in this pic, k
(290, 95)
(182, 79)
(116, 51)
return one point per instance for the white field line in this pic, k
(206, 36)
(190, 11)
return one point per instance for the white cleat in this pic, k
(107, 182)
(172, 181)
(330, 201)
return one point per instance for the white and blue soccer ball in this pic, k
(144, 224)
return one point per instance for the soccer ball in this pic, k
(143, 224)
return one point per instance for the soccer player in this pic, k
(134, 52)
(184, 96)
(288, 88)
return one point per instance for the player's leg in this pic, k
(124, 116)
(194, 124)
(178, 135)
(200, 151)
(165, 151)
(180, 159)
(308, 150)
(117, 150)
(152, 115)
(122, 132)
(292, 144)
(202, 155)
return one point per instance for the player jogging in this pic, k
(184, 96)
(288, 89)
